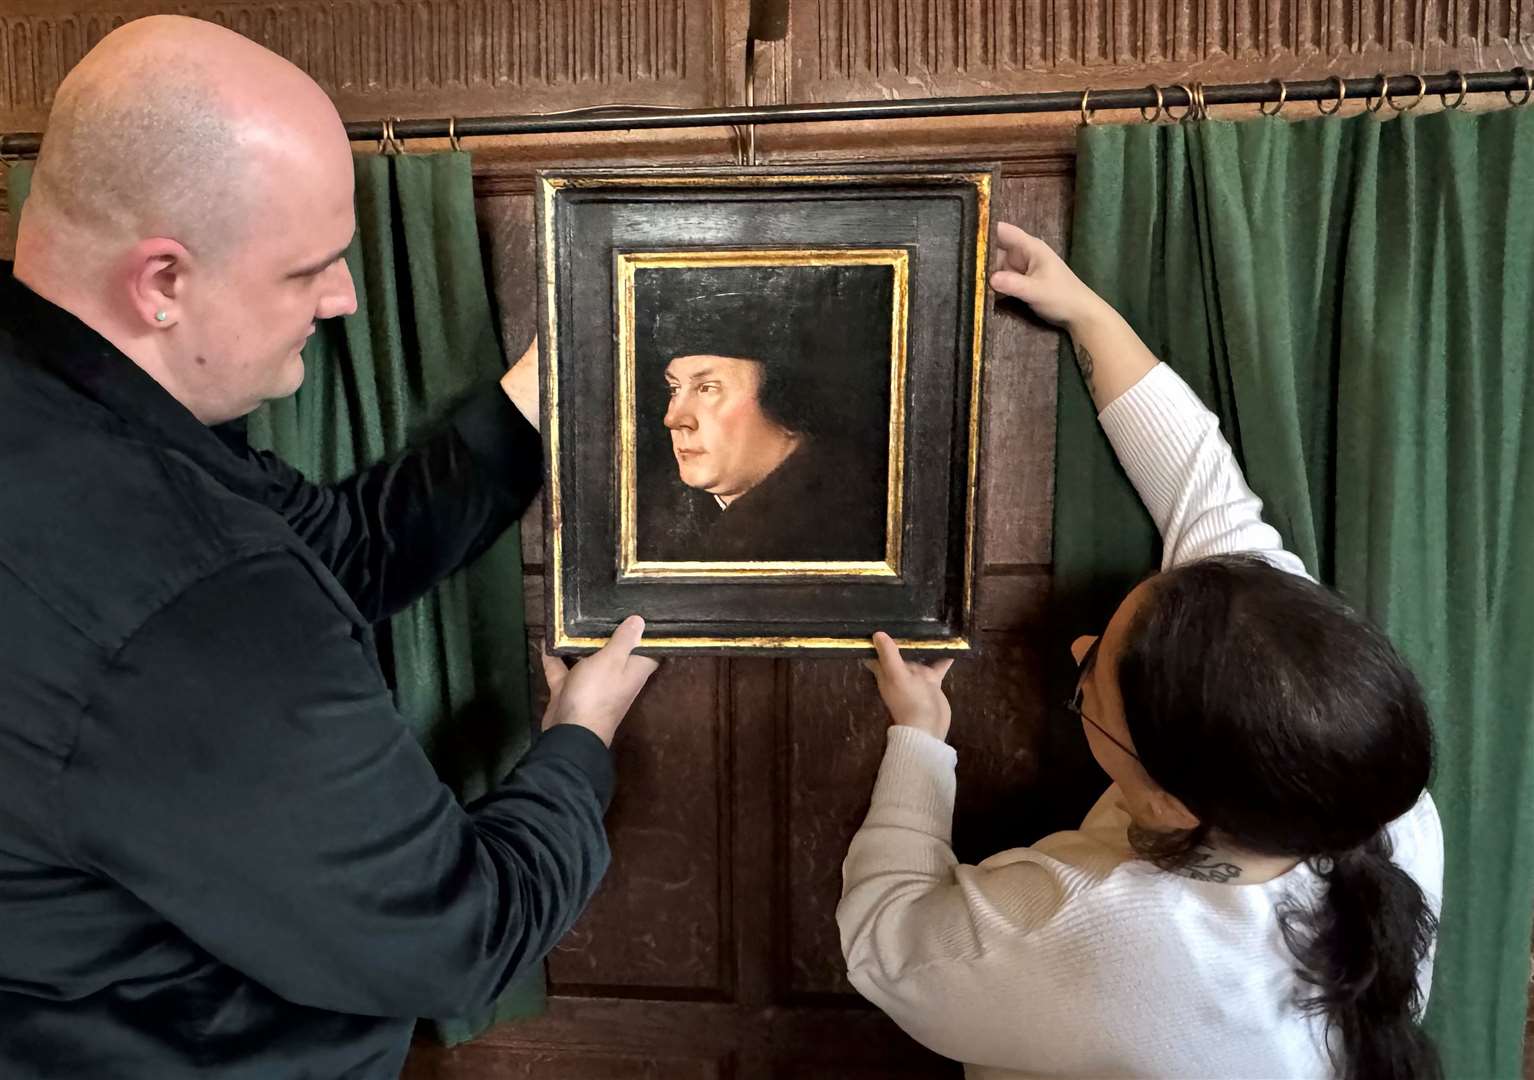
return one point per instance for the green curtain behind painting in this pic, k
(1355, 299)
(423, 336)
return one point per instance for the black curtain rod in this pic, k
(1405, 88)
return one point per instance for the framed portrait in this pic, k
(760, 406)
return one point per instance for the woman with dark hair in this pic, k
(1256, 893)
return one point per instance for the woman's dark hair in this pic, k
(1289, 726)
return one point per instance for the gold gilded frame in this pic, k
(629, 563)
(548, 189)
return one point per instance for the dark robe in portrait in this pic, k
(822, 504)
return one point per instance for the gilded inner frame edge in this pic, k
(629, 563)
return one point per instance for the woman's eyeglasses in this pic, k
(1084, 669)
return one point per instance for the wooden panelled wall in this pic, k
(711, 950)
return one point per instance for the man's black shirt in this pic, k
(221, 852)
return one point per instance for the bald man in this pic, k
(221, 852)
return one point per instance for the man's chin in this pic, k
(695, 481)
(285, 387)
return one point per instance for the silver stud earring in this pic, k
(160, 316)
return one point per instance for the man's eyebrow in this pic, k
(706, 373)
(315, 268)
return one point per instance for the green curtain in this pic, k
(18, 181)
(1355, 299)
(423, 336)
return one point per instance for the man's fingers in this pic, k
(940, 668)
(626, 638)
(554, 670)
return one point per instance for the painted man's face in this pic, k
(724, 443)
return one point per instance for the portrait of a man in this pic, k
(762, 412)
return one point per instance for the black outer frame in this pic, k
(968, 507)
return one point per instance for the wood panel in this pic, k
(1018, 488)
(916, 47)
(399, 58)
(499, 1063)
(660, 922)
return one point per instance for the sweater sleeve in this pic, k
(915, 924)
(1185, 473)
(242, 772)
(396, 529)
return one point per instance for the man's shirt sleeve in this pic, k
(242, 770)
(394, 530)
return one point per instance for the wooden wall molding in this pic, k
(395, 57)
(923, 47)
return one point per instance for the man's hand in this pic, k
(1032, 272)
(912, 692)
(597, 692)
(521, 383)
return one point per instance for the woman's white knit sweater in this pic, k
(1072, 958)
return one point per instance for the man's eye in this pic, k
(671, 390)
(709, 388)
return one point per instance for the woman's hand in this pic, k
(913, 692)
(1112, 358)
(1032, 272)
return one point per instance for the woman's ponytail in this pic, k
(1362, 948)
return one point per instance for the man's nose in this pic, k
(679, 416)
(341, 293)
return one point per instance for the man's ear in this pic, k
(157, 270)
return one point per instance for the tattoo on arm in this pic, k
(1084, 362)
(1204, 868)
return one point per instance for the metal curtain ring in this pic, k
(1342, 95)
(1186, 112)
(1283, 94)
(1160, 103)
(452, 135)
(390, 143)
(1421, 91)
(1375, 102)
(1200, 106)
(1086, 113)
(1464, 88)
(1528, 88)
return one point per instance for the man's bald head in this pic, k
(192, 204)
(169, 127)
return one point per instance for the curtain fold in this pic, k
(1355, 299)
(424, 335)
